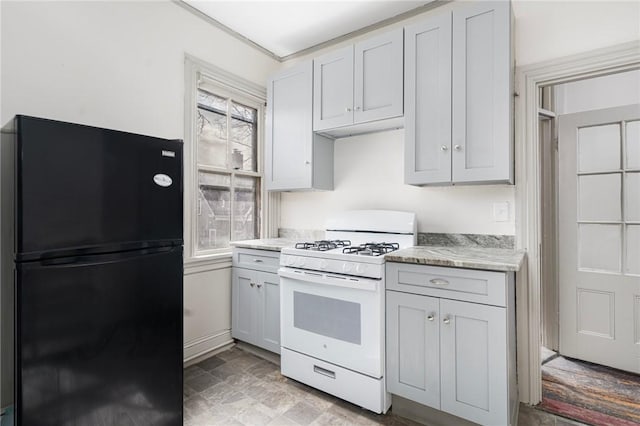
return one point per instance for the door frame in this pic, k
(529, 79)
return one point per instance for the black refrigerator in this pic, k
(98, 276)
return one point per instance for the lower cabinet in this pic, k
(451, 355)
(255, 307)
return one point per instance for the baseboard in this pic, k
(203, 347)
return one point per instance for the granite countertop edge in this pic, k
(271, 244)
(491, 259)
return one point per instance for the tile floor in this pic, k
(238, 388)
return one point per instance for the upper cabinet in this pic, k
(458, 94)
(358, 85)
(295, 157)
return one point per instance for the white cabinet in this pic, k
(358, 84)
(255, 298)
(295, 157)
(458, 94)
(452, 355)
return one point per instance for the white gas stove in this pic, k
(332, 305)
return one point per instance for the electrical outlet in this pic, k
(501, 212)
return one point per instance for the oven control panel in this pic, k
(335, 266)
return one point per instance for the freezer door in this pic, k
(99, 340)
(91, 189)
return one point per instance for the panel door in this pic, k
(378, 77)
(428, 101)
(482, 112)
(244, 308)
(333, 89)
(599, 236)
(413, 347)
(473, 355)
(269, 300)
(288, 149)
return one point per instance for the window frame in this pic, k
(224, 84)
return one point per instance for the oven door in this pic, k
(335, 318)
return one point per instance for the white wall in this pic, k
(553, 29)
(116, 64)
(120, 65)
(369, 174)
(598, 93)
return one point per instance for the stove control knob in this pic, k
(347, 267)
(301, 262)
(324, 264)
(288, 260)
(360, 268)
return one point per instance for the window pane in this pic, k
(212, 101)
(245, 209)
(212, 138)
(213, 210)
(243, 137)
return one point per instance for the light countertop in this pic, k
(272, 244)
(492, 259)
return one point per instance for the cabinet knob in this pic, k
(444, 148)
(447, 320)
(307, 162)
(430, 317)
(458, 147)
(259, 285)
(252, 284)
(357, 108)
(347, 109)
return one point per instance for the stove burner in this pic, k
(323, 245)
(372, 249)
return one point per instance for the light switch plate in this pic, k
(501, 212)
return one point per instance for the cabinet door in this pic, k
(288, 149)
(473, 355)
(244, 312)
(428, 101)
(378, 77)
(333, 89)
(413, 347)
(482, 92)
(269, 309)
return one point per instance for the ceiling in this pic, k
(284, 28)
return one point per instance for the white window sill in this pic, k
(208, 262)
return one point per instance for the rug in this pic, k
(590, 393)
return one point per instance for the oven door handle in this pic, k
(328, 279)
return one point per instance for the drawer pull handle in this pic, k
(257, 260)
(323, 371)
(430, 317)
(438, 281)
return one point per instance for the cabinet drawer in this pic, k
(485, 287)
(356, 388)
(259, 260)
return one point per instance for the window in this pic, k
(226, 200)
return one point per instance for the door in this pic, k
(244, 308)
(482, 91)
(413, 347)
(428, 101)
(288, 153)
(333, 89)
(269, 310)
(334, 318)
(378, 77)
(473, 356)
(599, 236)
(99, 339)
(90, 189)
